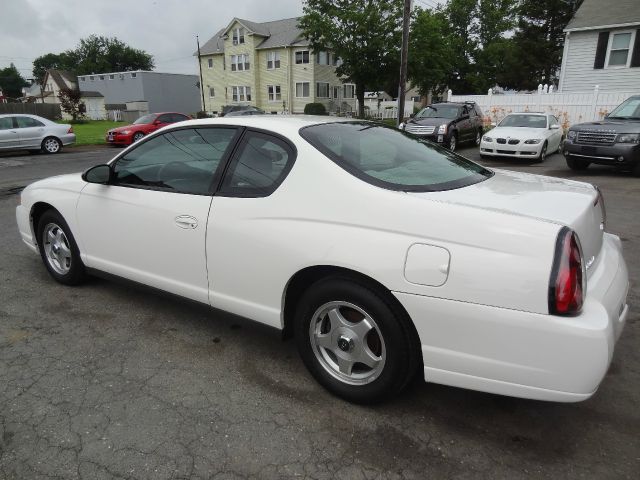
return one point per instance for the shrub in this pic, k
(315, 109)
(202, 114)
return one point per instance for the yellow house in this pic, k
(270, 65)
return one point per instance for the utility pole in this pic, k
(402, 88)
(200, 67)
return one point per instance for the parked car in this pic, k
(613, 141)
(143, 126)
(448, 124)
(529, 135)
(33, 133)
(240, 110)
(383, 254)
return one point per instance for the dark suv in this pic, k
(448, 123)
(613, 141)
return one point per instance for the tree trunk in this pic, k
(360, 96)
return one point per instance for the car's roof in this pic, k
(37, 117)
(269, 121)
(529, 113)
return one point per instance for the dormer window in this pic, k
(238, 35)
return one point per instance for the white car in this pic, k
(524, 135)
(383, 254)
(34, 133)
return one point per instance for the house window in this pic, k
(619, 48)
(101, 77)
(82, 79)
(134, 75)
(273, 60)
(349, 90)
(238, 35)
(302, 89)
(273, 92)
(337, 61)
(210, 62)
(322, 58)
(239, 62)
(322, 90)
(212, 92)
(302, 56)
(336, 92)
(92, 78)
(241, 94)
(112, 76)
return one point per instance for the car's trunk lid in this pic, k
(565, 202)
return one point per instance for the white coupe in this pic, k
(383, 254)
(524, 135)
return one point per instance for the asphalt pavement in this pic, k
(110, 381)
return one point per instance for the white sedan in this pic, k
(524, 135)
(383, 254)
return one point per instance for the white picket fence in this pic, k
(570, 108)
(387, 108)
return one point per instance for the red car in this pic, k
(143, 126)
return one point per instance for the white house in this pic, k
(602, 47)
(56, 80)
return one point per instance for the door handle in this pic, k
(186, 221)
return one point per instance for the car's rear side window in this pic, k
(392, 159)
(26, 122)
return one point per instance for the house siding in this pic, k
(579, 74)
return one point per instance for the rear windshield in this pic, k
(391, 158)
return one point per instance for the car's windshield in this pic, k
(439, 111)
(530, 121)
(145, 119)
(391, 158)
(630, 108)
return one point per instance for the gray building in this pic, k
(163, 92)
(602, 47)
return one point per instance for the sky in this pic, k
(166, 29)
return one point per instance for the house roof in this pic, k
(593, 14)
(59, 76)
(278, 33)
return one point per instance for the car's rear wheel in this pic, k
(576, 163)
(354, 341)
(51, 145)
(137, 136)
(478, 137)
(58, 249)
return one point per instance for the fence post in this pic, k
(594, 103)
(539, 97)
(449, 95)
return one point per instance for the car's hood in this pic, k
(121, 129)
(428, 122)
(521, 133)
(69, 182)
(560, 201)
(610, 125)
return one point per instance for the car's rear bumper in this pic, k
(506, 150)
(617, 154)
(68, 139)
(522, 354)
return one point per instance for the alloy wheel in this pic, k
(57, 248)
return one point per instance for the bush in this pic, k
(202, 114)
(315, 109)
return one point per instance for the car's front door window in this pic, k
(6, 123)
(182, 161)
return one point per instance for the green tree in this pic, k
(365, 34)
(539, 39)
(463, 40)
(70, 102)
(11, 82)
(430, 53)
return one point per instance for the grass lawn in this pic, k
(94, 131)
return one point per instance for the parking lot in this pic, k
(107, 380)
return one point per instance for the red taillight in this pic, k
(567, 285)
(70, 130)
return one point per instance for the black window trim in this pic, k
(239, 193)
(440, 187)
(218, 174)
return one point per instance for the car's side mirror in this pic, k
(606, 115)
(464, 117)
(411, 115)
(493, 124)
(555, 126)
(157, 122)
(100, 174)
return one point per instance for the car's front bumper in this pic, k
(506, 150)
(617, 154)
(523, 354)
(119, 139)
(24, 227)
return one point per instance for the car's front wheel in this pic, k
(543, 153)
(577, 163)
(355, 341)
(58, 249)
(137, 136)
(51, 145)
(453, 142)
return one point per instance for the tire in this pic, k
(577, 164)
(453, 142)
(137, 136)
(51, 145)
(478, 138)
(483, 156)
(59, 250)
(543, 153)
(635, 171)
(340, 321)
